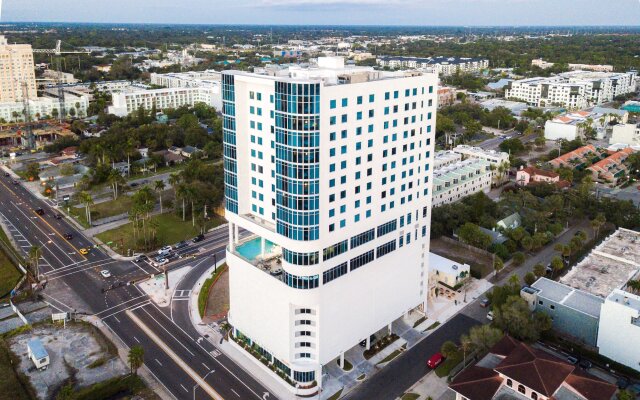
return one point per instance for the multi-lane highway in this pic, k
(187, 365)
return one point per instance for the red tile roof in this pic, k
(589, 386)
(533, 171)
(477, 383)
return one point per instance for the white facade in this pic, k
(447, 271)
(306, 290)
(576, 89)
(493, 157)
(133, 98)
(458, 180)
(442, 65)
(42, 107)
(619, 328)
(187, 79)
(572, 125)
(628, 134)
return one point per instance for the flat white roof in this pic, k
(446, 265)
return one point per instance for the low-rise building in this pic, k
(38, 354)
(516, 371)
(448, 272)
(461, 179)
(579, 158)
(628, 134)
(574, 313)
(498, 160)
(132, 98)
(516, 107)
(573, 125)
(612, 169)
(58, 76)
(533, 175)
(446, 96)
(540, 63)
(446, 157)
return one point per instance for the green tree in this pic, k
(135, 359)
(35, 253)
(86, 199)
(539, 270)
(67, 169)
(557, 264)
(33, 171)
(518, 258)
(512, 146)
(597, 223)
(116, 180)
(498, 264)
(448, 349)
(515, 318)
(472, 235)
(484, 337)
(66, 393)
(529, 278)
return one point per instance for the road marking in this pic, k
(133, 307)
(236, 393)
(215, 353)
(205, 365)
(116, 318)
(159, 363)
(136, 339)
(203, 384)
(118, 305)
(170, 334)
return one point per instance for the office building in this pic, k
(328, 167)
(574, 90)
(17, 72)
(442, 65)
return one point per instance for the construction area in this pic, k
(78, 353)
(44, 132)
(609, 266)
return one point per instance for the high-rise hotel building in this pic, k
(329, 168)
(17, 72)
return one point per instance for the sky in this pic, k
(329, 12)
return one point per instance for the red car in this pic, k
(435, 360)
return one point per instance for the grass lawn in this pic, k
(102, 210)
(447, 365)
(336, 395)
(170, 227)
(9, 274)
(390, 357)
(433, 326)
(410, 396)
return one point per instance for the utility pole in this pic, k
(27, 116)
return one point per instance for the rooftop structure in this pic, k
(612, 169)
(444, 158)
(576, 158)
(572, 125)
(516, 107)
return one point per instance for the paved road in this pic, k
(392, 381)
(186, 365)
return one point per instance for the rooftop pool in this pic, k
(252, 249)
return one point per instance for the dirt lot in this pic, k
(479, 264)
(77, 352)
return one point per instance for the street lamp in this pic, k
(215, 262)
(197, 384)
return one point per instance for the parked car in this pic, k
(484, 303)
(105, 273)
(372, 339)
(68, 236)
(435, 360)
(490, 315)
(572, 360)
(198, 238)
(39, 211)
(180, 245)
(57, 216)
(137, 257)
(586, 364)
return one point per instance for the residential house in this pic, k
(516, 371)
(189, 151)
(170, 158)
(532, 175)
(512, 221)
(447, 272)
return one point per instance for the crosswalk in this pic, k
(181, 294)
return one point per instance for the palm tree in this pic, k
(634, 286)
(86, 199)
(597, 223)
(34, 258)
(135, 358)
(174, 179)
(182, 192)
(115, 179)
(465, 345)
(159, 187)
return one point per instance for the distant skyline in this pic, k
(329, 12)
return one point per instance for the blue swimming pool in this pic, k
(251, 249)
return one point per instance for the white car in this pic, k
(105, 273)
(165, 250)
(161, 262)
(490, 315)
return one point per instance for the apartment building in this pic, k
(457, 180)
(577, 158)
(493, 157)
(628, 134)
(540, 63)
(574, 90)
(442, 65)
(131, 98)
(612, 169)
(187, 79)
(328, 167)
(17, 72)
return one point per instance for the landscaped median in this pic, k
(100, 210)
(203, 296)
